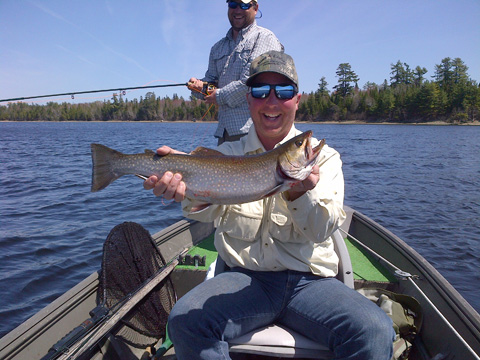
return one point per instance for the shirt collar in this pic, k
(291, 134)
(254, 146)
(242, 32)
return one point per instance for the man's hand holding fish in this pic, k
(170, 185)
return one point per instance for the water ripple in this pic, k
(53, 228)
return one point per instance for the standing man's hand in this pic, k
(195, 84)
(211, 97)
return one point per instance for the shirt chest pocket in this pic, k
(242, 53)
(242, 221)
(281, 227)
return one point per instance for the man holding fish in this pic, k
(279, 250)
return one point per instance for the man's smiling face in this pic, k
(240, 19)
(273, 118)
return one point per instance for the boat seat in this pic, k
(277, 340)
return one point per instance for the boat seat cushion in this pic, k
(276, 340)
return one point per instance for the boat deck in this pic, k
(450, 327)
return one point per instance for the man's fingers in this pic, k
(180, 193)
(165, 150)
(162, 184)
(171, 189)
(150, 182)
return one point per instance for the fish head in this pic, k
(298, 158)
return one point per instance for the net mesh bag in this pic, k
(130, 258)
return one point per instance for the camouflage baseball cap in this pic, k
(273, 61)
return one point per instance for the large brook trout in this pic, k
(210, 176)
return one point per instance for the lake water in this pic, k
(420, 182)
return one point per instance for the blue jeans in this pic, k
(238, 301)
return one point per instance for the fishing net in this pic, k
(130, 257)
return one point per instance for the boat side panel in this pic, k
(33, 338)
(181, 235)
(436, 334)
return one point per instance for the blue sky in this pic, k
(55, 46)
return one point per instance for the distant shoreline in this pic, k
(347, 122)
(361, 122)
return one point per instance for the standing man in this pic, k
(229, 65)
(279, 249)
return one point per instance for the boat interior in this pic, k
(370, 257)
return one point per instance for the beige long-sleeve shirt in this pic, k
(275, 234)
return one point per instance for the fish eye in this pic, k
(299, 143)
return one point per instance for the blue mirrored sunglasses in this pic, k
(243, 6)
(282, 91)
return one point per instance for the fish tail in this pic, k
(102, 171)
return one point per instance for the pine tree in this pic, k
(418, 75)
(346, 79)
(398, 74)
(322, 87)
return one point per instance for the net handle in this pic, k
(80, 347)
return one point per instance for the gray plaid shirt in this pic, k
(229, 64)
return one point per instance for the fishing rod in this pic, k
(94, 91)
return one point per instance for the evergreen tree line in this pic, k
(450, 95)
(149, 108)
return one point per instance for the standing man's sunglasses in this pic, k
(243, 6)
(282, 91)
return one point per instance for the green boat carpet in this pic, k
(365, 267)
(205, 248)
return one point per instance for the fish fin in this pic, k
(198, 206)
(148, 151)
(276, 190)
(143, 177)
(102, 174)
(206, 152)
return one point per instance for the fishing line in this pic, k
(202, 118)
(171, 201)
